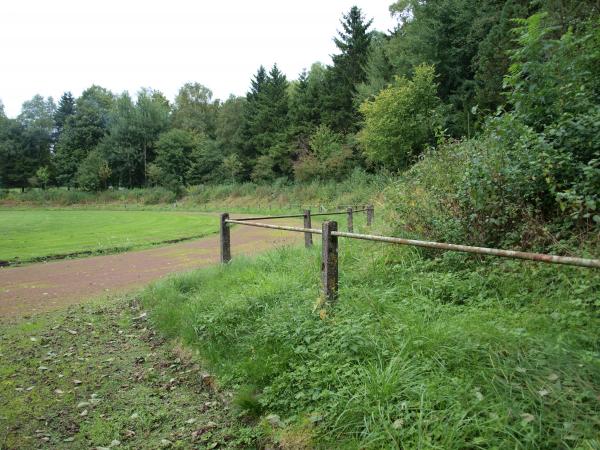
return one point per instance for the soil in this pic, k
(46, 286)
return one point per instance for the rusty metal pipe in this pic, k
(276, 227)
(540, 257)
(553, 259)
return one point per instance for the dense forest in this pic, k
(513, 86)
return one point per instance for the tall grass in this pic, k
(359, 188)
(418, 353)
(64, 197)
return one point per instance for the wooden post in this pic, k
(350, 220)
(329, 263)
(370, 212)
(308, 241)
(225, 239)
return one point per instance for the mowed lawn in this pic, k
(29, 235)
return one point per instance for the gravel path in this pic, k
(45, 286)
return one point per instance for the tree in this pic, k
(38, 113)
(232, 167)
(175, 150)
(252, 127)
(206, 163)
(82, 132)
(65, 109)
(194, 109)
(43, 176)
(266, 125)
(119, 146)
(32, 139)
(93, 173)
(151, 119)
(229, 126)
(401, 120)
(14, 164)
(273, 116)
(379, 70)
(306, 104)
(348, 71)
(327, 159)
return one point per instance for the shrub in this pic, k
(329, 158)
(400, 122)
(93, 173)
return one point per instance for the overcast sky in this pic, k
(49, 47)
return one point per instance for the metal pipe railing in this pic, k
(540, 257)
(330, 237)
(274, 227)
(290, 216)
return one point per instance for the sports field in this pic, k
(36, 234)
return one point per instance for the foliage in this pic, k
(93, 173)
(328, 158)
(82, 132)
(542, 158)
(448, 353)
(348, 71)
(194, 110)
(174, 152)
(400, 122)
(43, 176)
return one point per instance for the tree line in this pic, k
(447, 68)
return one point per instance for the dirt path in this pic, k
(98, 376)
(45, 286)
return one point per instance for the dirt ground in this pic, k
(42, 287)
(97, 375)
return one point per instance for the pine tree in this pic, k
(251, 127)
(348, 71)
(66, 108)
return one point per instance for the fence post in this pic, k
(350, 220)
(225, 239)
(308, 241)
(329, 263)
(370, 212)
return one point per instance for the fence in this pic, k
(330, 234)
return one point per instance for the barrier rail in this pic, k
(330, 234)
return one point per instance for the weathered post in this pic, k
(329, 264)
(370, 212)
(225, 239)
(350, 220)
(308, 241)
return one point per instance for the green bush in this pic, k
(329, 158)
(402, 119)
(93, 173)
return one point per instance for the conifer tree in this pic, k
(348, 71)
(65, 109)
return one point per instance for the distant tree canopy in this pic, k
(445, 69)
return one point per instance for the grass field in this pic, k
(36, 234)
(451, 353)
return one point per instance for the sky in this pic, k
(49, 47)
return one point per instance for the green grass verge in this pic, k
(35, 234)
(97, 376)
(359, 188)
(418, 353)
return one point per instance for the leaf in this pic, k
(528, 417)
